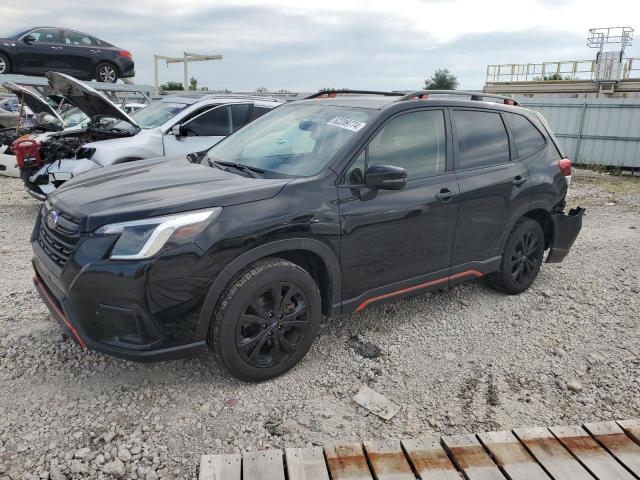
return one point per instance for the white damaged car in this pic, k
(176, 125)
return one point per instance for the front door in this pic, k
(200, 132)
(41, 55)
(395, 242)
(492, 187)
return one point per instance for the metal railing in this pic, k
(571, 70)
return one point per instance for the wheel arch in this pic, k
(316, 257)
(109, 62)
(538, 211)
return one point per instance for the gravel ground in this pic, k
(466, 360)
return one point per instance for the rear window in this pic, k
(527, 137)
(481, 139)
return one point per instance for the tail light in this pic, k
(125, 53)
(565, 168)
(27, 150)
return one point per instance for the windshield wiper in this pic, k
(249, 170)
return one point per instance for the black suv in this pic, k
(35, 51)
(322, 206)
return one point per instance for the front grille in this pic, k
(60, 242)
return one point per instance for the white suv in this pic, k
(175, 125)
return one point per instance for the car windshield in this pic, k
(157, 113)
(295, 140)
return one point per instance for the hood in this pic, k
(148, 188)
(93, 103)
(36, 103)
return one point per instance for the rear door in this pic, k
(42, 55)
(394, 240)
(493, 186)
(79, 53)
(200, 132)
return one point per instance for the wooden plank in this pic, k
(631, 428)
(220, 467)
(306, 464)
(595, 458)
(387, 460)
(470, 457)
(511, 455)
(263, 465)
(347, 462)
(550, 453)
(429, 459)
(617, 443)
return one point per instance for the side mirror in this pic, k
(28, 39)
(385, 177)
(177, 131)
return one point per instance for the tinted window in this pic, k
(355, 174)
(258, 112)
(73, 38)
(481, 138)
(413, 141)
(239, 115)
(527, 137)
(213, 123)
(46, 35)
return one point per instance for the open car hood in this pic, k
(36, 103)
(92, 103)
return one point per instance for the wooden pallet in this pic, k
(604, 451)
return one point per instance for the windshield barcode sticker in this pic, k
(346, 123)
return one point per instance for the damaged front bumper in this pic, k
(49, 177)
(566, 227)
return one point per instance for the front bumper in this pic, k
(566, 228)
(139, 311)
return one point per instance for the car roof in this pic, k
(191, 99)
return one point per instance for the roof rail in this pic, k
(334, 93)
(477, 96)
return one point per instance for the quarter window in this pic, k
(239, 115)
(413, 141)
(481, 139)
(258, 112)
(355, 174)
(213, 123)
(527, 137)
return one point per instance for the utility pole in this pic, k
(185, 59)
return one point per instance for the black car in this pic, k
(35, 51)
(321, 206)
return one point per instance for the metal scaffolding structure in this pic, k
(185, 59)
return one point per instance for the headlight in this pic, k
(144, 238)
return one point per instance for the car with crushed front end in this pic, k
(177, 124)
(326, 205)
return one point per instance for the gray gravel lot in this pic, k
(466, 360)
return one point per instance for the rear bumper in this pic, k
(566, 228)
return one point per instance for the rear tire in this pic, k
(521, 258)
(106, 72)
(266, 320)
(5, 64)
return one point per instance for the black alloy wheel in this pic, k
(524, 258)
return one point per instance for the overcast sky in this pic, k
(306, 45)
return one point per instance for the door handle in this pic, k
(445, 194)
(518, 181)
(57, 48)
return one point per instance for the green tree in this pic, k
(193, 83)
(442, 79)
(169, 86)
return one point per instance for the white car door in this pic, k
(198, 133)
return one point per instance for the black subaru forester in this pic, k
(322, 206)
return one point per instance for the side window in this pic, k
(527, 137)
(355, 174)
(481, 139)
(46, 35)
(239, 115)
(257, 112)
(212, 123)
(77, 39)
(414, 141)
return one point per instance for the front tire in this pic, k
(521, 258)
(266, 320)
(5, 64)
(106, 72)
